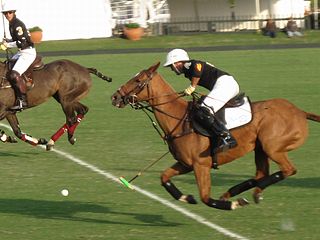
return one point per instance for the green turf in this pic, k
(122, 142)
(181, 41)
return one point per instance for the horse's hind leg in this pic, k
(81, 110)
(262, 170)
(286, 169)
(175, 170)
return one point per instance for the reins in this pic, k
(130, 97)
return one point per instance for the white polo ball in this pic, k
(65, 192)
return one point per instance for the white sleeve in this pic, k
(12, 44)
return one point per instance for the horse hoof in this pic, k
(42, 141)
(188, 199)
(12, 140)
(72, 140)
(257, 197)
(50, 145)
(242, 202)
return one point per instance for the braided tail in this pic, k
(313, 117)
(99, 74)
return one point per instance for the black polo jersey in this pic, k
(20, 34)
(207, 73)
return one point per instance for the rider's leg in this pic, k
(24, 58)
(224, 89)
(217, 128)
(20, 90)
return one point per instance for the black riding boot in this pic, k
(217, 128)
(20, 89)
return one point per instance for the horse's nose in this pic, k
(116, 99)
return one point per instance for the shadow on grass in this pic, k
(19, 154)
(223, 179)
(67, 210)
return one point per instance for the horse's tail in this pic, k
(313, 117)
(99, 74)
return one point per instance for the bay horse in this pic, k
(277, 127)
(66, 81)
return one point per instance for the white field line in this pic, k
(171, 205)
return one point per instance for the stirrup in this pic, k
(20, 106)
(226, 144)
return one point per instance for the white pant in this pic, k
(225, 88)
(25, 59)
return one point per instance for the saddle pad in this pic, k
(238, 116)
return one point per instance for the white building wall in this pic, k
(65, 19)
(180, 9)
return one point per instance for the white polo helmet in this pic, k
(8, 6)
(176, 55)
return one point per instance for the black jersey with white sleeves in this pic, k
(20, 34)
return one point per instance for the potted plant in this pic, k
(35, 34)
(133, 31)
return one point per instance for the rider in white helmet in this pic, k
(222, 87)
(25, 56)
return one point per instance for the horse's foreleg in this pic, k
(202, 173)
(14, 123)
(174, 170)
(5, 138)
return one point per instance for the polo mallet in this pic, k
(4, 32)
(128, 183)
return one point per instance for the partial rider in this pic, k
(222, 87)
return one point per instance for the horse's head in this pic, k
(135, 89)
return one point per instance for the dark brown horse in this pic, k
(276, 128)
(67, 82)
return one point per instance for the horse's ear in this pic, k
(154, 67)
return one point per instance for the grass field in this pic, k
(122, 142)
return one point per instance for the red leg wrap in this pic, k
(74, 126)
(28, 139)
(59, 133)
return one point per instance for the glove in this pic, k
(4, 45)
(189, 90)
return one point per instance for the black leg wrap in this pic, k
(242, 187)
(219, 204)
(272, 179)
(172, 189)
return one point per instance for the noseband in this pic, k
(130, 97)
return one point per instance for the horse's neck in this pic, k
(169, 109)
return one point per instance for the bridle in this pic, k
(131, 97)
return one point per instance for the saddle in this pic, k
(235, 102)
(238, 106)
(28, 74)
